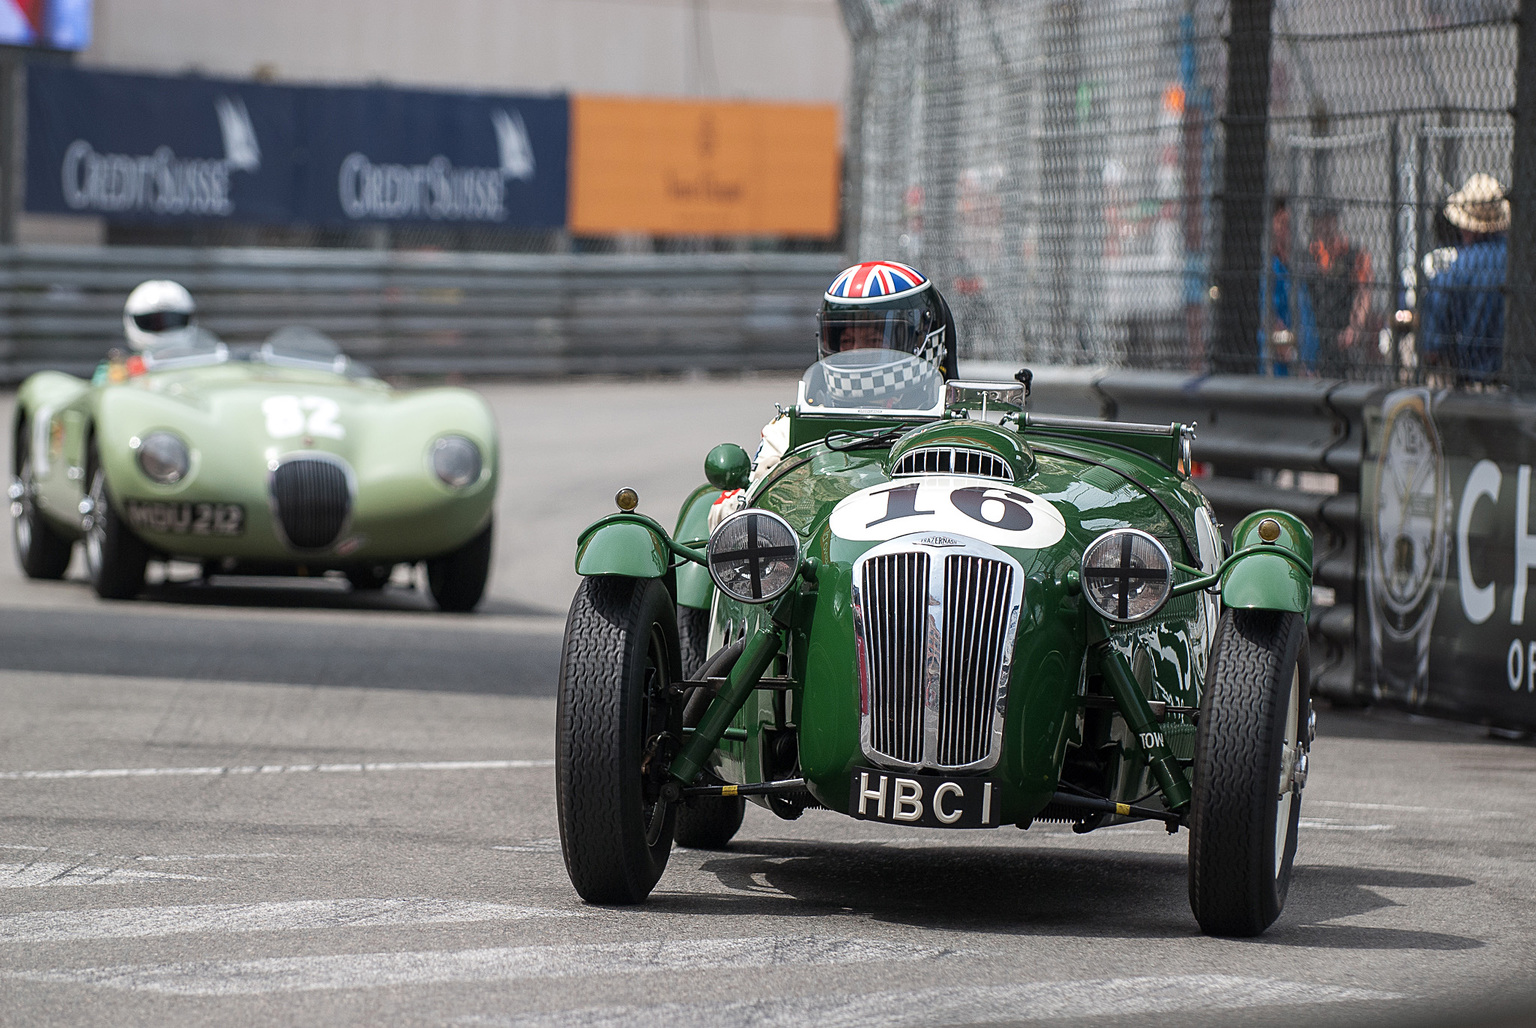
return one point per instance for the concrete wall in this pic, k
(778, 50)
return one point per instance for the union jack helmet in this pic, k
(883, 305)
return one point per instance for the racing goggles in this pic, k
(162, 321)
(907, 330)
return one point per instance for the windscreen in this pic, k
(872, 380)
(196, 345)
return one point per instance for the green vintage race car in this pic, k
(285, 458)
(941, 611)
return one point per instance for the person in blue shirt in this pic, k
(1292, 323)
(1462, 324)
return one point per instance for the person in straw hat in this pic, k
(1463, 320)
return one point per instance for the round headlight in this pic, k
(1126, 575)
(456, 461)
(164, 458)
(753, 556)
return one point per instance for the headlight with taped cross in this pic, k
(1127, 575)
(753, 556)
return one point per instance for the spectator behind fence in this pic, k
(1462, 327)
(1340, 276)
(1291, 346)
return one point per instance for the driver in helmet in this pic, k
(888, 306)
(878, 306)
(158, 314)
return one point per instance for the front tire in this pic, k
(457, 579)
(1250, 767)
(618, 726)
(693, 638)
(41, 551)
(115, 558)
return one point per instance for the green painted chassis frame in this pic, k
(1069, 664)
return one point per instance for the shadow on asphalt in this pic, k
(1386, 723)
(441, 652)
(1076, 893)
(317, 593)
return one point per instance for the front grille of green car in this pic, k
(312, 499)
(895, 646)
(936, 629)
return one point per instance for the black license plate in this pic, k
(186, 518)
(929, 801)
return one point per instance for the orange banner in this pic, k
(688, 167)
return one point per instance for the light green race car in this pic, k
(284, 459)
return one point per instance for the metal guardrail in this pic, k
(432, 313)
(1292, 444)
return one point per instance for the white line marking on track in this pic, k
(1098, 998)
(1333, 824)
(179, 857)
(377, 970)
(214, 856)
(1456, 811)
(277, 769)
(39, 873)
(292, 916)
(532, 846)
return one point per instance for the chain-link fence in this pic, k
(1283, 186)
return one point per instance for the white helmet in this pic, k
(158, 314)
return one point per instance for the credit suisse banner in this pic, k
(139, 147)
(1450, 547)
(703, 167)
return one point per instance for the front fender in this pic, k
(694, 587)
(623, 544)
(1268, 581)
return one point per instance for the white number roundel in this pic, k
(1000, 514)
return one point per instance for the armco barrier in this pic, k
(1291, 444)
(432, 313)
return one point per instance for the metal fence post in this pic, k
(1520, 279)
(13, 155)
(1244, 173)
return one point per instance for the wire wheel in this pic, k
(40, 550)
(115, 558)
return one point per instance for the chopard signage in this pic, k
(1450, 547)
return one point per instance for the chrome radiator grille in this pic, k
(895, 653)
(952, 460)
(312, 499)
(936, 632)
(976, 593)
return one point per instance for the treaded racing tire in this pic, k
(41, 551)
(708, 822)
(114, 557)
(693, 638)
(457, 579)
(617, 725)
(1247, 789)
